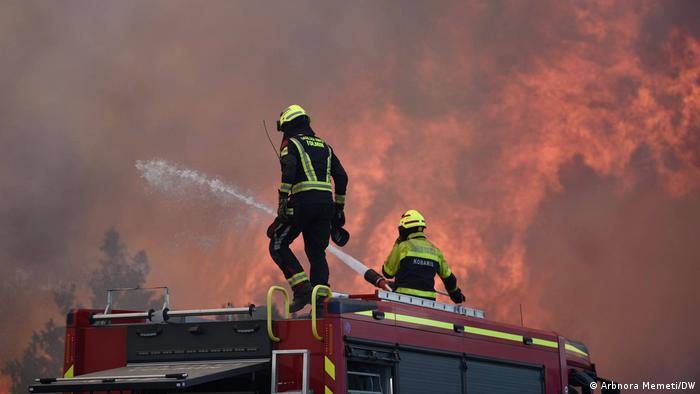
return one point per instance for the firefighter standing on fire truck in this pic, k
(414, 261)
(306, 205)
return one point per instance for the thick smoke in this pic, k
(548, 144)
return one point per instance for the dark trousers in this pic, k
(313, 221)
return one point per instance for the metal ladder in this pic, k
(165, 313)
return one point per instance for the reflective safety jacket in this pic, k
(414, 263)
(308, 164)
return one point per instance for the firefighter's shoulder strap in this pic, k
(312, 182)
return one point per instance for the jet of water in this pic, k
(172, 179)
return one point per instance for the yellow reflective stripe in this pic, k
(468, 329)
(285, 188)
(305, 186)
(493, 334)
(305, 161)
(574, 349)
(326, 390)
(297, 278)
(416, 292)
(284, 152)
(411, 319)
(69, 373)
(330, 367)
(340, 198)
(546, 343)
(422, 321)
(328, 164)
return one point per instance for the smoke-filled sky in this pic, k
(553, 146)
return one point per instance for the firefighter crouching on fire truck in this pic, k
(306, 204)
(414, 261)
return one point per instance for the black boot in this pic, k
(302, 296)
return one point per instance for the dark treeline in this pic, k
(43, 356)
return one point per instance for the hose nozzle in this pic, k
(376, 280)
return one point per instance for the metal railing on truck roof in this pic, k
(165, 313)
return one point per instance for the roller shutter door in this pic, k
(421, 373)
(485, 377)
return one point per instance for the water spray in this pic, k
(173, 179)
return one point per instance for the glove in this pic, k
(340, 236)
(456, 296)
(283, 211)
(338, 215)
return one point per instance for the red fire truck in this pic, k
(357, 344)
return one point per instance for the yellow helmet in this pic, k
(292, 112)
(411, 219)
